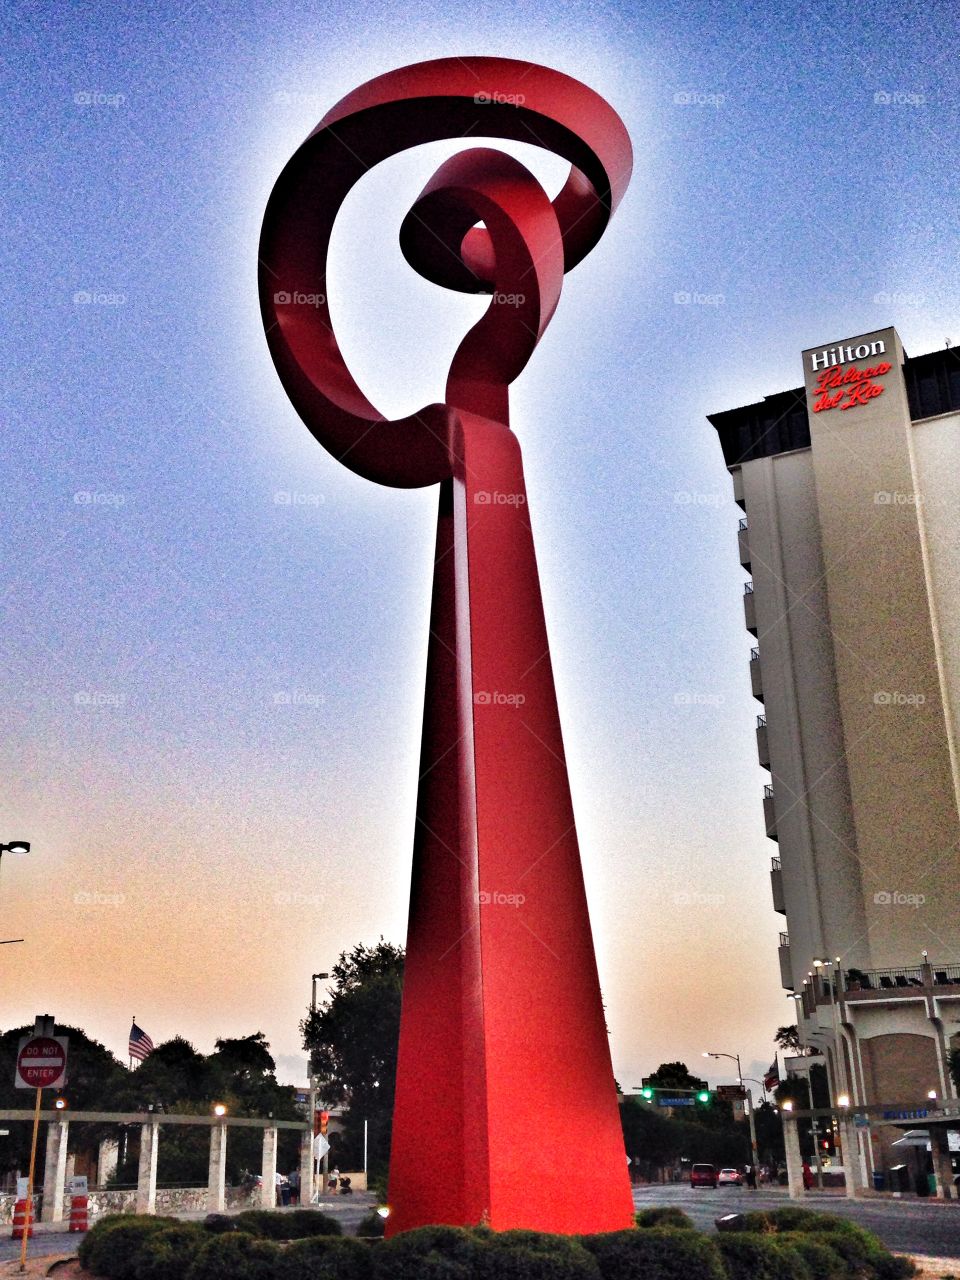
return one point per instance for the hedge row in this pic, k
(786, 1244)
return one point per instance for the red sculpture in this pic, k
(504, 1081)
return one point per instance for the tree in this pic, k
(674, 1075)
(353, 1039)
(788, 1038)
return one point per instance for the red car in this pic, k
(703, 1175)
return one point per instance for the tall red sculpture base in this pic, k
(504, 1070)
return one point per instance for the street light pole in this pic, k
(314, 978)
(13, 846)
(755, 1154)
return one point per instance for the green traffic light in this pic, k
(646, 1093)
(703, 1095)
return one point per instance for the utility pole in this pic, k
(314, 978)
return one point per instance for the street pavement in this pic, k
(929, 1227)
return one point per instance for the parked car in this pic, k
(729, 1178)
(703, 1175)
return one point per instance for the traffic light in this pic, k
(647, 1093)
(703, 1096)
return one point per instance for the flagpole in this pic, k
(133, 1023)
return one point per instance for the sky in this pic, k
(214, 636)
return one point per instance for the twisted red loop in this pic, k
(519, 255)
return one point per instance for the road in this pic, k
(907, 1226)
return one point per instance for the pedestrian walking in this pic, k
(807, 1176)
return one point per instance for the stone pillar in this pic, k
(147, 1170)
(306, 1167)
(791, 1142)
(55, 1171)
(217, 1181)
(852, 1168)
(107, 1157)
(268, 1180)
(942, 1168)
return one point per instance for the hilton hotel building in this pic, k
(850, 488)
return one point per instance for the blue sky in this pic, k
(215, 636)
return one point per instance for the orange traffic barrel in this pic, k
(20, 1221)
(78, 1213)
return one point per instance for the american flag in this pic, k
(140, 1046)
(772, 1078)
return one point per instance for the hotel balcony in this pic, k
(749, 608)
(776, 884)
(786, 973)
(756, 680)
(904, 983)
(769, 813)
(763, 748)
(744, 539)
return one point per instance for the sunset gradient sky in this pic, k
(214, 636)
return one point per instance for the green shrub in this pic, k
(428, 1253)
(656, 1254)
(533, 1255)
(325, 1259)
(664, 1216)
(301, 1224)
(824, 1262)
(794, 1218)
(235, 1256)
(371, 1225)
(167, 1254)
(111, 1248)
(750, 1256)
(756, 1220)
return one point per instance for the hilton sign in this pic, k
(849, 374)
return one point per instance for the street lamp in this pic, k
(219, 1110)
(735, 1057)
(13, 846)
(315, 978)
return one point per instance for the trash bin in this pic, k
(932, 1183)
(878, 1180)
(898, 1177)
(921, 1185)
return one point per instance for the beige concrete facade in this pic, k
(852, 540)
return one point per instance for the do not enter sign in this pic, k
(41, 1062)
